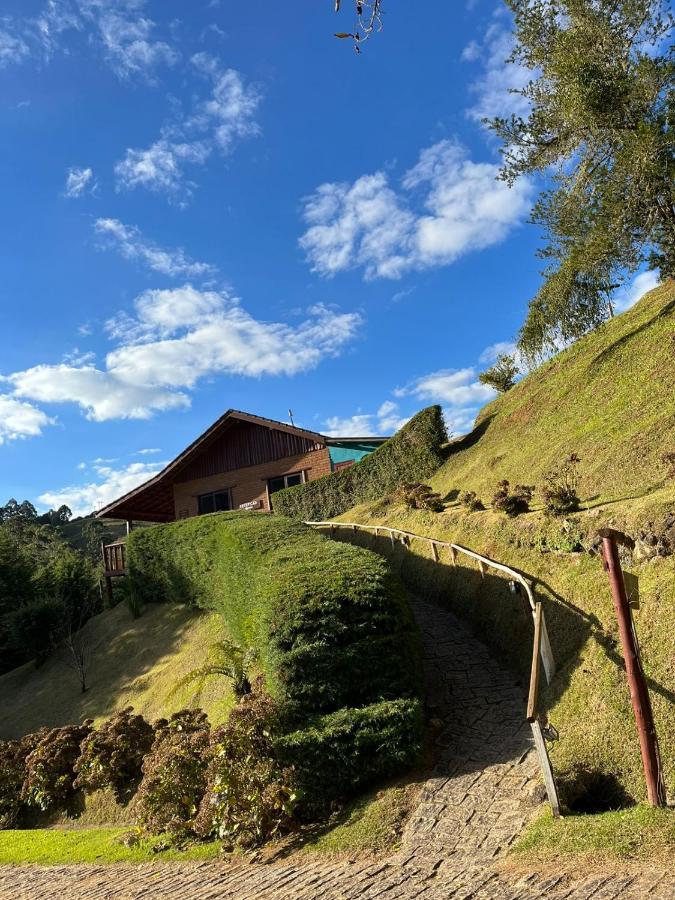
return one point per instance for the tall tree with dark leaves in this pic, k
(601, 131)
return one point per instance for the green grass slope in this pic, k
(135, 662)
(611, 399)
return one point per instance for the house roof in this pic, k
(152, 501)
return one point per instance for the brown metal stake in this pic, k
(639, 694)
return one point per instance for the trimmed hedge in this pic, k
(329, 622)
(343, 752)
(411, 455)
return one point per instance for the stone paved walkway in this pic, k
(472, 807)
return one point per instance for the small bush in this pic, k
(250, 796)
(411, 455)
(112, 755)
(512, 502)
(471, 500)
(13, 774)
(415, 495)
(50, 767)
(561, 486)
(174, 775)
(501, 376)
(668, 459)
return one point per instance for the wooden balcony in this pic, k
(114, 559)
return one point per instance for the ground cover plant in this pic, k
(330, 626)
(412, 455)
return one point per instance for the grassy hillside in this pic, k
(611, 399)
(135, 662)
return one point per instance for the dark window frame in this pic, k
(214, 494)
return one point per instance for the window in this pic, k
(215, 502)
(284, 481)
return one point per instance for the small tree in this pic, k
(501, 376)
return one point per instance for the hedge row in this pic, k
(329, 623)
(412, 455)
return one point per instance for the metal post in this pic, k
(639, 694)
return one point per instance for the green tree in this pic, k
(502, 375)
(600, 128)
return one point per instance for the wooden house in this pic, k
(237, 463)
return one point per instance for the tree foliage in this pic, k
(600, 127)
(502, 375)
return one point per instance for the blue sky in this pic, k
(217, 204)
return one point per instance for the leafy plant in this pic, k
(13, 774)
(112, 755)
(419, 496)
(471, 500)
(561, 487)
(50, 767)
(174, 775)
(229, 660)
(668, 459)
(502, 375)
(413, 454)
(250, 796)
(512, 502)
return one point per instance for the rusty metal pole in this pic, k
(639, 694)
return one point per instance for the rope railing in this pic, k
(541, 646)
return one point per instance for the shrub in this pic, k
(668, 459)
(341, 753)
(561, 486)
(419, 496)
(411, 455)
(501, 376)
(33, 628)
(174, 774)
(112, 755)
(471, 500)
(250, 796)
(50, 767)
(512, 502)
(13, 774)
(329, 622)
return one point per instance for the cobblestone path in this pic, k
(473, 806)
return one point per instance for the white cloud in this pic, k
(13, 49)
(109, 484)
(461, 207)
(117, 26)
(20, 420)
(387, 420)
(645, 281)
(458, 390)
(493, 89)
(501, 348)
(148, 451)
(177, 337)
(77, 182)
(101, 394)
(215, 124)
(132, 245)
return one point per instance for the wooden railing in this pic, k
(541, 646)
(114, 559)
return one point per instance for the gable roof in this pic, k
(153, 500)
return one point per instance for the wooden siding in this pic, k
(250, 484)
(243, 444)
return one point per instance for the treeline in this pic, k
(48, 589)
